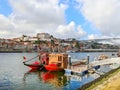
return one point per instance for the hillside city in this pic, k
(44, 42)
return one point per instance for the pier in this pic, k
(108, 61)
(91, 67)
(82, 70)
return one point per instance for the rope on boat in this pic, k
(31, 59)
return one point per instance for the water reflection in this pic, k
(55, 78)
(32, 71)
(60, 80)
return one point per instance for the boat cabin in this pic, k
(44, 58)
(58, 58)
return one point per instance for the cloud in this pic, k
(30, 17)
(5, 26)
(33, 16)
(92, 36)
(70, 31)
(96, 36)
(104, 14)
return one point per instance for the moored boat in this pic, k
(50, 62)
(35, 65)
(102, 57)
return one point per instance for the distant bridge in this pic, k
(89, 40)
(113, 41)
(101, 50)
(106, 61)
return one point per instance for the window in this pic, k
(59, 58)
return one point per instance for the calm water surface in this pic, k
(15, 76)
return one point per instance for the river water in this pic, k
(15, 76)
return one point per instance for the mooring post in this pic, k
(88, 57)
(69, 62)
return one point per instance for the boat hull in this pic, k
(53, 67)
(35, 65)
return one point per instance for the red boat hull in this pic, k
(53, 67)
(36, 65)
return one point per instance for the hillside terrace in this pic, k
(48, 43)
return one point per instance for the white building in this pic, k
(44, 36)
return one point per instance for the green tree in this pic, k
(77, 45)
(52, 43)
(40, 42)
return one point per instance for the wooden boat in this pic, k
(35, 65)
(51, 62)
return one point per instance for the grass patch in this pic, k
(100, 80)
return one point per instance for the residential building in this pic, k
(33, 39)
